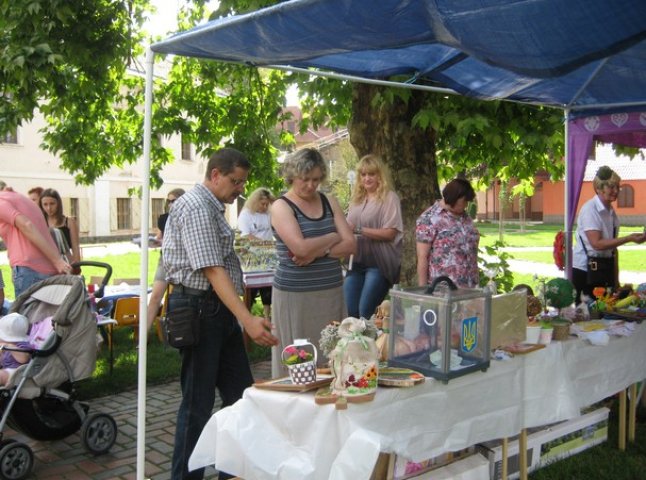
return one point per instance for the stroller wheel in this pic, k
(6, 442)
(16, 461)
(98, 433)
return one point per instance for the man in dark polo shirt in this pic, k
(205, 273)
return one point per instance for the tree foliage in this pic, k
(69, 60)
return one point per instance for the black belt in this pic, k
(184, 290)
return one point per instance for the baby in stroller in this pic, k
(13, 335)
(38, 398)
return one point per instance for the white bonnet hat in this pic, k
(14, 328)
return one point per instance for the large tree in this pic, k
(76, 74)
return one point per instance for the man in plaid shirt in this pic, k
(205, 272)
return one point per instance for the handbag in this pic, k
(601, 270)
(181, 326)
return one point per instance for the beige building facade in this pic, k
(109, 209)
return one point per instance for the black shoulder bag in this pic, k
(601, 270)
(181, 325)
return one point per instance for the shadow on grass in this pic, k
(163, 365)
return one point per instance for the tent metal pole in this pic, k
(143, 280)
(567, 231)
(587, 82)
(371, 81)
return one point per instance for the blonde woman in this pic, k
(254, 221)
(376, 219)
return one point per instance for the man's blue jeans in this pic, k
(218, 360)
(364, 289)
(24, 277)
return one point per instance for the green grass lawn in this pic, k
(629, 260)
(538, 235)
(126, 265)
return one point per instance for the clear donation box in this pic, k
(440, 331)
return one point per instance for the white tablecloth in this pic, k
(269, 435)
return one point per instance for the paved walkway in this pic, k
(67, 459)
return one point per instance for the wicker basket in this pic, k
(561, 330)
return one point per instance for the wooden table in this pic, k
(256, 279)
(252, 280)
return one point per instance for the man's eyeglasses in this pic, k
(616, 188)
(170, 201)
(237, 181)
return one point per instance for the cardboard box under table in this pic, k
(467, 466)
(440, 331)
(548, 444)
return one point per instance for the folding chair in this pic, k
(126, 314)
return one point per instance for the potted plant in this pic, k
(559, 293)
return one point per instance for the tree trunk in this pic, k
(384, 128)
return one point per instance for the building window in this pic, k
(187, 150)
(74, 207)
(124, 207)
(157, 208)
(626, 197)
(10, 137)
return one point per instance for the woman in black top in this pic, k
(52, 206)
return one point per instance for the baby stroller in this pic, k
(39, 399)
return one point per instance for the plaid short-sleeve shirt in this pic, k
(197, 235)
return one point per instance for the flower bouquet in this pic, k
(300, 359)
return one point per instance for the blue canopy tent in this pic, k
(584, 56)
